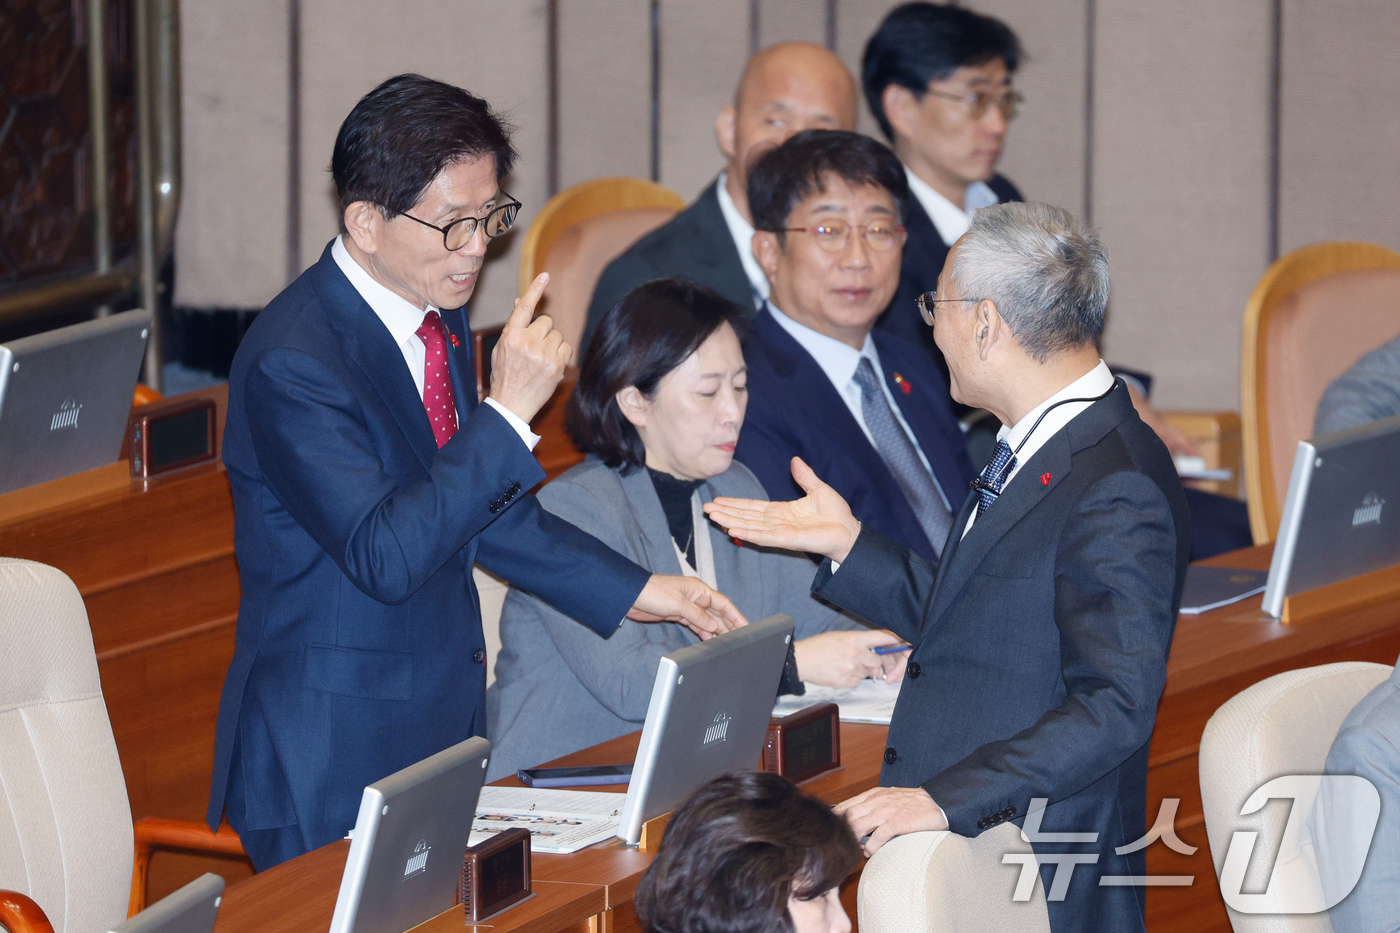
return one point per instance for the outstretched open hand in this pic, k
(819, 523)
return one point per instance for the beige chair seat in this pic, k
(1283, 725)
(65, 823)
(946, 882)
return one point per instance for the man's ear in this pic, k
(899, 104)
(989, 328)
(725, 130)
(767, 251)
(634, 405)
(363, 223)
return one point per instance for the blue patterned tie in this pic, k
(994, 475)
(895, 447)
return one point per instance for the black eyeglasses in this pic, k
(979, 102)
(926, 301)
(459, 233)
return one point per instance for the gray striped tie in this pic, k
(895, 447)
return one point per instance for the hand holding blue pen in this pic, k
(891, 649)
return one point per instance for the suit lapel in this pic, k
(823, 404)
(1021, 495)
(459, 362)
(656, 534)
(720, 256)
(369, 345)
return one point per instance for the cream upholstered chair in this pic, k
(946, 882)
(1283, 725)
(582, 229)
(65, 824)
(1314, 313)
(67, 845)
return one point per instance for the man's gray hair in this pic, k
(1044, 268)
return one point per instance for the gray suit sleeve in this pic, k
(620, 670)
(1367, 392)
(1371, 751)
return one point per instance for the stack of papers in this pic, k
(871, 701)
(559, 821)
(1210, 588)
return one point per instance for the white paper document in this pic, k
(559, 821)
(871, 701)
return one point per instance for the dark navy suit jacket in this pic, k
(359, 647)
(794, 410)
(695, 244)
(924, 255)
(1040, 650)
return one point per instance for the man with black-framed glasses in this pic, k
(367, 481)
(938, 80)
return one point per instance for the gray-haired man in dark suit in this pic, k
(1041, 640)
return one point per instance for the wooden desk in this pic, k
(299, 897)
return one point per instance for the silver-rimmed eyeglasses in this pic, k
(979, 102)
(459, 233)
(926, 303)
(834, 235)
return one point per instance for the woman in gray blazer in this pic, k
(658, 406)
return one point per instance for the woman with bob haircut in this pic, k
(658, 407)
(749, 853)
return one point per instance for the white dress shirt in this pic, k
(1092, 384)
(402, 319)
(839, 362)
(949, 219)
(742, 232)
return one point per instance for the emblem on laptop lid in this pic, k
(1369, 511)
(66, 416)
(717, 731)
(418, 861)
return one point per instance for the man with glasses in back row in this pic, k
(367, 480)
(866, 409)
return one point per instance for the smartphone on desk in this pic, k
(575, 777)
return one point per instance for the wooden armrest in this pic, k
(19, 914)
(154, 833)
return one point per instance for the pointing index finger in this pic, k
(524, 308)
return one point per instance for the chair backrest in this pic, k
(1283, 725)
(946, 882)
(1314, 313)
(65, 822)
(582, 229)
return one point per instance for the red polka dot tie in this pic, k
(437, 383)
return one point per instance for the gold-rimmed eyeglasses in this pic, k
(834, 235)
(459, 233)
(979, 102)
(926, 303)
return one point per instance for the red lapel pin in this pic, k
(904, 384)
(1045, 479)
(455, 342)
(737, 542)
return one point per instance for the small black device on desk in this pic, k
(172, 436)
(575, 777)
(495, 875)
(805, 744)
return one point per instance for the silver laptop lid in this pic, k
(191, 909)
(1336, 523)
(709, 714)
(411, 834)
(65, 397)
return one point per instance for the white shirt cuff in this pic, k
(529, 437)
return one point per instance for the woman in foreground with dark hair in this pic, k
(749, 853)
(658, 406)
